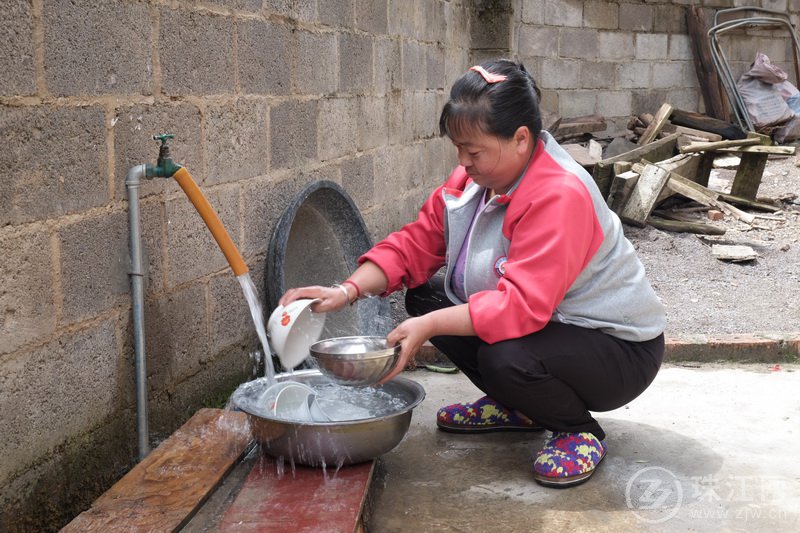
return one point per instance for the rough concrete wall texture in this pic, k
(623, 58)
(264, 96)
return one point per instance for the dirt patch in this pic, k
(705, 295)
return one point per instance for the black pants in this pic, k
(554, 376)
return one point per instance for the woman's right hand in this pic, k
(330, 298)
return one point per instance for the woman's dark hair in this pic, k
(498, 108)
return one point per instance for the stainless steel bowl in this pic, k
(333, 443)
(355, 361)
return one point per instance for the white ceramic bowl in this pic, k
(288, 400)
(292, 329)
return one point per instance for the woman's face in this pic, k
(491, 161)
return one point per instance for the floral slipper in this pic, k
(482, 416)
(568, 459)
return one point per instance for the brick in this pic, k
(293, 133)
(82, 55)
(387, 73)
(338, 13)
(371, 16)
(192, 251)
(577, 43)
(358, 176)
(633, 74)
(53, 162)
(176, 335)
(670, 19)
(651, 46)
(337, 127)
(600, 75)
(304, 10)
(236, 141)
(576, 103)
(715, 215)
(680, 48)
(56, 392)
(636, 17)
(314, 63)
(434, 62)
(95, 262)
(563, 13)
(491, 25)
(414, 66)
(16, 49)
(134, 127)
(614, 46)
(27, 308)
(601, 15)
(372, 127)
(667, 75)
(196, 51)
(355, 63)
(538, 41)
(533, 11)
(560, 74)
(231, 323)
(263, 55)
(613, 103)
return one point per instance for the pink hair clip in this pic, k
(488, 76)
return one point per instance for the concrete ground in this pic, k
(705, 448)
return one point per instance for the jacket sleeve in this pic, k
(553, 238)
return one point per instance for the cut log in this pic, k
(702, 122)
(652, 180)
(681, 226)
(621, 189)
(655, 151)
(655, 127)
(734, 253)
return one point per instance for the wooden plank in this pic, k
(654, 151)
(583, 124)
(696, 167)
(735, 253)
(682, 226)
(303, 499)
(758, 149)
(751, 204)
(705, 135)
(652, 180)
(580, 154)
(748, 176)
(621, 189)
(699, 121)
(712, 146)
(714, 97)
(163, 491)
(654, 127)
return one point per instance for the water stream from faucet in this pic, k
(256, 311)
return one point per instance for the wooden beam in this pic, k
(682, 226)
(584, 124)
(748, 175)
(652, 180)
(699, 121)
(709, 147)
(621, 189)
(758, 149)
(654, 151)
(655, 127)
(714, 96)
(705, 135)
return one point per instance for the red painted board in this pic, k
(308, 501)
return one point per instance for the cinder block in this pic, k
(425, 115)
(560, 74)
(600, 75)
(95, 261)
(613, 103)
(538, 41)
(456, 63)
(684, 98)
(533, 11)
(387, 74)
(401, 130)
(261, 212)
(563, 13)
(601, 15)
(435, 66)
(680, 48)
(16, 49)
(633, 74)
(431, 19)
(152, 245)
(239, 5)
(314, 63)
(355, 63)
(27, 308)
(358, 176)
(56, 392)
(614, 46)
(401, 18)
(666, 75)
(577, 43)
(337, 133)
(293, 133)
(82, 52)
(53, 162)
(304, 10)
(636, 17)
(670, 19)
(372, 127)
(336, 13)
(176, 334)
(577, 103)
(231, 322)
(414, 66)
(133, 129)
(550, 100)
(192, 251)
(648, 101)
(456, 21)
(651, 46)
(491, 25)
(196, 53)
(264, 57)
(236, 141)
(371, 16)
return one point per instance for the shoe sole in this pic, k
(567, 482)
(486, 429)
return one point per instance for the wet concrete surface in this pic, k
(706, 448)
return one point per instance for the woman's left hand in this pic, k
(411, 334)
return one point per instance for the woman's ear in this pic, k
(523, 140)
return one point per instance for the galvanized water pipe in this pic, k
(135, 174)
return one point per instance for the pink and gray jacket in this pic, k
(550, 249)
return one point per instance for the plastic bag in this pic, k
(763, 69)
(760, 88)
(792, 96)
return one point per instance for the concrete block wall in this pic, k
(264, 96)
(623, 58)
